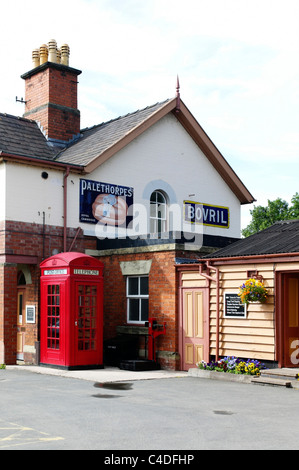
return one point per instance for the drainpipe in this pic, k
(66, 174)
(44, 222)
(75, 238)
(210, 278)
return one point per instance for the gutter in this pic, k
(40, 161)
(252, 258)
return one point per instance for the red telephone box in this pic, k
(71, 334)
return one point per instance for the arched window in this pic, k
(158, 213)
(21, 279)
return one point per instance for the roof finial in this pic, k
(178, 97)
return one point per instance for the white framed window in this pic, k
(158, 213)
(137, 299)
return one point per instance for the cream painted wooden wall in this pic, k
(252, 337)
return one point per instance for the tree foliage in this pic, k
(263, 217)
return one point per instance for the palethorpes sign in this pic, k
(105, 203)
(206, 214)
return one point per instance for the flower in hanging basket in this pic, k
(253, 290)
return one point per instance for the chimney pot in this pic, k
(52, 47)
(35, 58)
(58, 56)
(43, 52)
(65, 53)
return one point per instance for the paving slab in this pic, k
(107, 374)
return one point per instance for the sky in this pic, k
(237, 62)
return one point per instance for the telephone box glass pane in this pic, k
(53, 314)
(87, 300)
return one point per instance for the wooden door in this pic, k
(195, 331)
(20, 323)
(291, 320)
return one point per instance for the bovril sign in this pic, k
(206, 214)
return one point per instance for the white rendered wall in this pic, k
(164, 157)
(29, 195)
(2, 191)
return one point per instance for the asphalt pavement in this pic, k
(153, 413)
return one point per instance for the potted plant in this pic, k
(253, 290)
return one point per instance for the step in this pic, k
(293, 373)
(139, 364)
(265, 380)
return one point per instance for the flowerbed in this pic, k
(233, 365)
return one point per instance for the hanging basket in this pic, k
(253, 290)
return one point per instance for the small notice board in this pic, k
(233, 308)
(30, 313)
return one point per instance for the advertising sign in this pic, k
(206, 214)
(105, 203)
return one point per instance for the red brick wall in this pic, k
(62, 87)
(36, 240)
(23, 238)
(16, 239)
(58, 87)
(8, 311)
(162, 299)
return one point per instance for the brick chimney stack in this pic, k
(51, 93)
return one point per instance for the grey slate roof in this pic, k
(19, 136)
(95, 140)
(282, 237)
